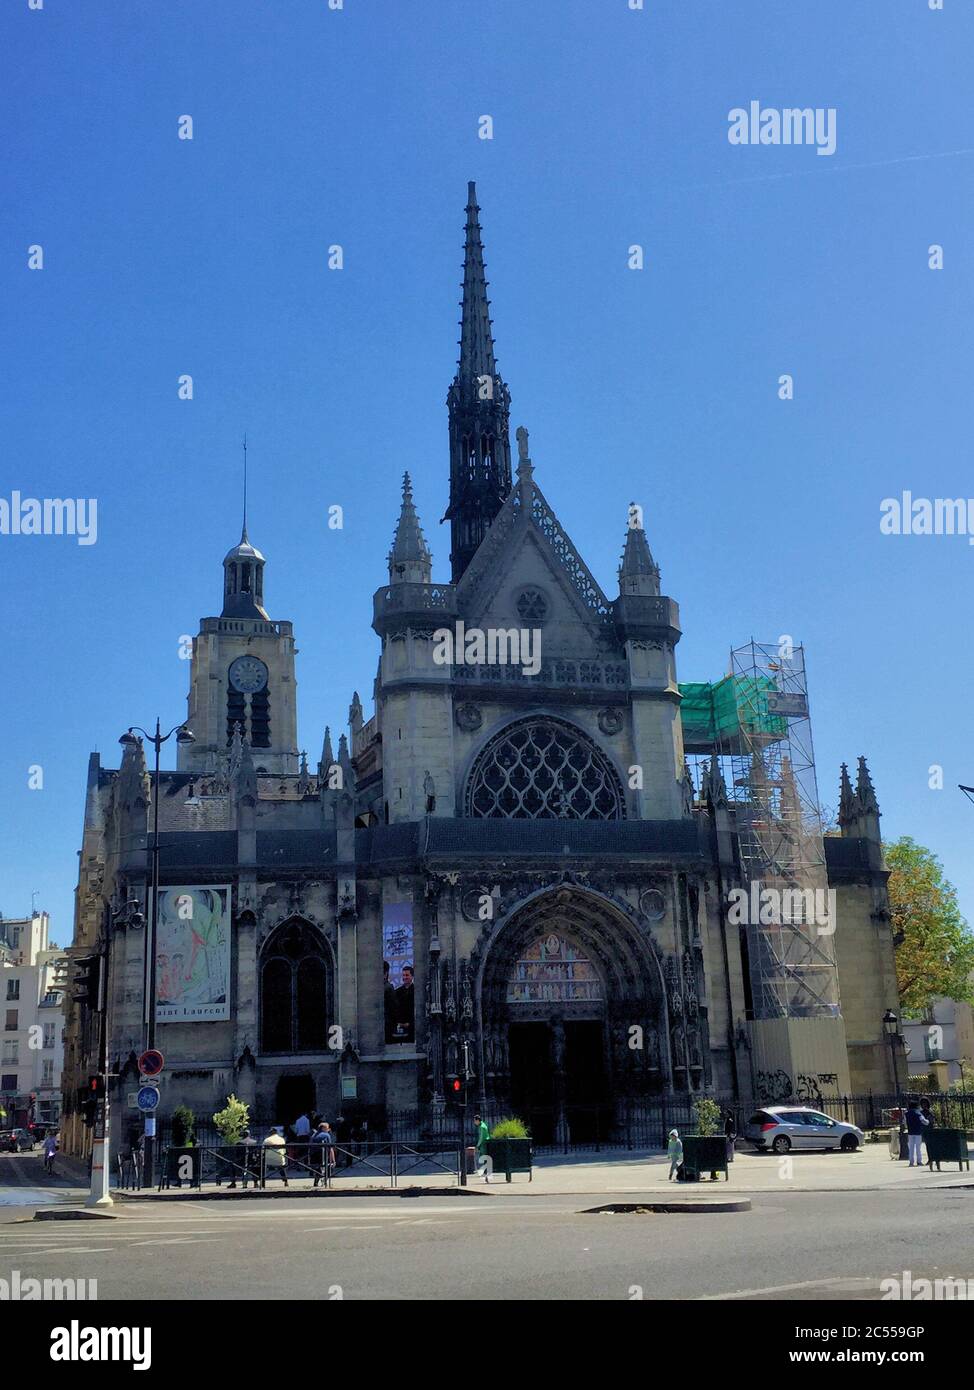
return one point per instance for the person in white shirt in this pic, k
(275, 1154)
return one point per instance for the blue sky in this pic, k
(360, 127)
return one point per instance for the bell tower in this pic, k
(242, 674)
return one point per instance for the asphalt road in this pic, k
(794, 1246)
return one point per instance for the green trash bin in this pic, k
(947, 1146)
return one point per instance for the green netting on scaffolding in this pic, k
(719, 712)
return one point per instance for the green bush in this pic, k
(183, 1125)
(511, 1128)
(707, 1114)
(232, 1120)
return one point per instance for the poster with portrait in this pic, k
(397, 971)
(193, 955)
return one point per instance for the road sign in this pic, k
(151, 1062)
(148, 1098)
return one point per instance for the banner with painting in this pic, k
(397, 970)
(193, 955)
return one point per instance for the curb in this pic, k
(686, 1208)
(200, 1195)
(73, 1214)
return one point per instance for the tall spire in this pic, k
(409, 559)
(479, 406)
(476, 337)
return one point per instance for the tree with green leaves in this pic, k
(934, 946)
(232, 1120)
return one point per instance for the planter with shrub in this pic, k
(705, 1151)
(182, 1156)
(509, 1148)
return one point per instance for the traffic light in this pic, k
(86, 985)
(456, 1089)
(88, 1098)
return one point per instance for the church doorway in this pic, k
(558, 1079)
(561, 985)
(532, 1078)
(586, 1108)
(295, 1096)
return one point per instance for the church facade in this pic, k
(520, 869)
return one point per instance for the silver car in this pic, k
(781, 1128)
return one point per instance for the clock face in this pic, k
(248, 674)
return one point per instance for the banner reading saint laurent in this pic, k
(193, 955)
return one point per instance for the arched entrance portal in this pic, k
(567, 985)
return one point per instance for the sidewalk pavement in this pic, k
(625, 1174)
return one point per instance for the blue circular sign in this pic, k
(148, 1098)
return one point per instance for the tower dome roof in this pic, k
(243, 550)
(243, 580)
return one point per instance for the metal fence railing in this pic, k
(308, 1164)
(623, 1125)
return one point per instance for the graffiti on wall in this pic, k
(777, 1087)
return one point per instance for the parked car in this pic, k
(6, 1141)
(781, 1128)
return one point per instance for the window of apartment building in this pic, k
(11, 1024)
(8, 1081)
(11, 1052)
(48, 1035)
(47, 1072)
(13, 989)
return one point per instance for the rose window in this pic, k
(540, 769)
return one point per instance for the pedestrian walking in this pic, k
(323, 1147)
(275, 1154)
(927, 1110)
(675, 1150)
(484, 1159)
(916, 1126)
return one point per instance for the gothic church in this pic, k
(506, 871)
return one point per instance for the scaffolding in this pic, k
(755, 721)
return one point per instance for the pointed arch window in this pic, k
(295, 991)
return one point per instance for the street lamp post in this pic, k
(128, 739)
(893, 1037)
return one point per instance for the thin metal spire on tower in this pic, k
(243, 534)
